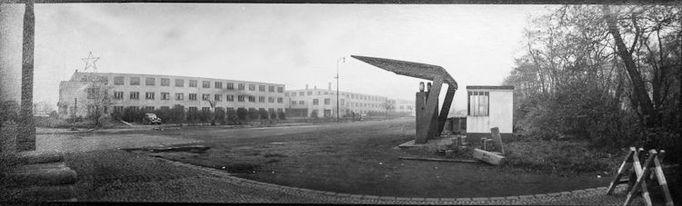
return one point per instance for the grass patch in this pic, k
(559, 157)
(242, 167)
(270, 155)
(7, 162)
(252, 153)
(359, 158)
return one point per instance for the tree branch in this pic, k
(637, 32)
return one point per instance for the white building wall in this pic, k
(501, 108)
(74, 88)
(72, 99)
(405, 106)
(349, 101)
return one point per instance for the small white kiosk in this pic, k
(488, 107)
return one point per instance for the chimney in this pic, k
(306, 86)
(330, 86)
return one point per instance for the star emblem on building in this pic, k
(90, 62)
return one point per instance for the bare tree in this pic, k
(212, 104)
(583, 64)
(98, 100)
(388, 105)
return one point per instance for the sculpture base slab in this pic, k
(433, 144)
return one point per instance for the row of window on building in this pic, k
(351, 96)
(120, 109)
(342, 102)
(193, 96)
(401, 107)
(151, 81)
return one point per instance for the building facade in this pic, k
(322, 103)
(405, 106)
(488, 107)
(114, 92)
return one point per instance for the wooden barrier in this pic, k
(638, 175)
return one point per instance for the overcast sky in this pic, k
(294, 44)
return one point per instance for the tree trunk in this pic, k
(640, 93)
(27, 131)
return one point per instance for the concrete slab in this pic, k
(410, 144)
(90, 142)
(41, 175)
(488, 157)
(430, 144)
(37, 157)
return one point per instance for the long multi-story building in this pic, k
(405, 106)
(323, 103)
(81, 94)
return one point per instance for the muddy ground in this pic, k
(358, 158)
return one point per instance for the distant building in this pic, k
(405, 106)
(322, 103)
(488, 107)
(80, 95)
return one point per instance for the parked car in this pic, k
(151, 118)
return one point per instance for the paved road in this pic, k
(64, 140)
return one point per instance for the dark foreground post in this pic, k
(26, 138)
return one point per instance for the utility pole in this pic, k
(337, 85)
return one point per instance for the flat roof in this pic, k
(175, 76)
(489, 87)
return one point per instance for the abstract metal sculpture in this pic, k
(429, 120)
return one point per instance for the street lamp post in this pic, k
(343, 59)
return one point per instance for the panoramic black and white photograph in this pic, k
(386, 102)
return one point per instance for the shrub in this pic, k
(51, 122)
(242, 114)
(252, 115)
(577, 111)
(662, 138)
(192, 116)
(132, 115)
(232, 117)
(559, 157)
(263, 114)
(220, 115)
(282, 116)
(205, 116)
(177, 114)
